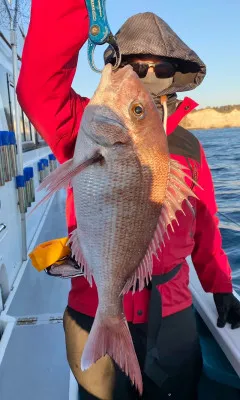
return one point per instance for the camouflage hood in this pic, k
(146, 33)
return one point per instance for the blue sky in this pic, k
(210, 27)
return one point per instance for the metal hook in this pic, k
(113, 43)
(100, 32)
(91, 47)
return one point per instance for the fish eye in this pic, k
(137, 110)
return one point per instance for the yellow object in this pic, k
(48, 253)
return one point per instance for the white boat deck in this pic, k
(33, 361)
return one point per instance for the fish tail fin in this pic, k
(111, 336)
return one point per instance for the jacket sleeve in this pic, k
(57, 31)
(209, 259)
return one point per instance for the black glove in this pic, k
(228, 308)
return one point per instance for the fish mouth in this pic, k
(110, 121)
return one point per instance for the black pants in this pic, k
(180, 359)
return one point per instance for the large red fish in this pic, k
(126, 192)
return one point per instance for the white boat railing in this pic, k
(227, 338)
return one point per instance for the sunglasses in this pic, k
(162, 70)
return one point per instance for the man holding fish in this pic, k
(140, 200)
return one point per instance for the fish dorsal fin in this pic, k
(77, 253)
(177, 192)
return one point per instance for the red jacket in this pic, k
(57, 31)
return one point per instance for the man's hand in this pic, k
(65, 268)
(228, 308)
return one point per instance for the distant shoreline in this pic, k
(213, 118)
(211, 128)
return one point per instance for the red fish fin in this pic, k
(143, 274)
(77, 253)
(62, 176)
(111, 336)
(177, 192)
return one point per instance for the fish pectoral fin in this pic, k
(110, 335)
(77, 253)
(62, 176)
(177, 192)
